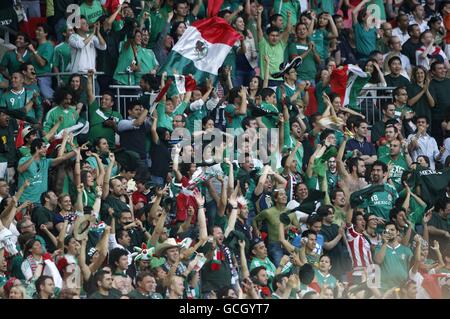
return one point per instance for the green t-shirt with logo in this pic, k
(17, 100)
(319, 37)
(270, 267)
(308, 69)
(380, 203)
(37, 175)
(45, 51)
(91, 12)
(399, 110)
(395, 266)
(61, 59)
(97, 116)
(325, 280)
(166, 120)
(398, 166)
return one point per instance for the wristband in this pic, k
(234, 207)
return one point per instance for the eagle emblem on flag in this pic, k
(201, 49)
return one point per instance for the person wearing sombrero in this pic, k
(170, 249)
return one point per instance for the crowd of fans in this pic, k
(318, 195)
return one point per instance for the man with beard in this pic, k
(393, 258)
(354, 177)
(259, 276)
(332, 174)
(397, 162)
(381, 202)
(225, 252)
(113, 200)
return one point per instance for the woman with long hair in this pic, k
(246, 59)
(128, 61)
(420, 99)
(324, 31)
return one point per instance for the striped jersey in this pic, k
(359, 247)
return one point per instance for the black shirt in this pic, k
(398, 81)
(409, 49)
(339, 255)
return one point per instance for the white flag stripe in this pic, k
(180, 83)
(215, 55)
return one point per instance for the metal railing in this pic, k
(122, 99)
(370, 101)
(7, 32)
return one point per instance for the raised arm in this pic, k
(288, 29)
(244, 267)
(357, 9)
(234, 209)
(201, 218)
(266, 71)
(259, 23)
(105, 187)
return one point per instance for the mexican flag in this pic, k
(202, 49)
(347, 81)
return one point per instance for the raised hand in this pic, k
(199, 198)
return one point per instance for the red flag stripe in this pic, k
(217, 30)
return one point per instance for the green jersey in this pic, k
(234, 120)
(37, 175)
(70, 118)
(45, 51)
(319, 37)
(16, 100)
(290, 141)
(401, 110)
(10, 62)
(165, 119)
(366, 40)
(61, 59)
(270, 267)
(270, 121)
(325, 280)
(126, 58)
(91, 12)
(196, 116)
(383, 150)
(395, 266)
(308, 69)
(97, 116)
(282, 7)
(398, 166)
(147, 61)
(380, 203)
